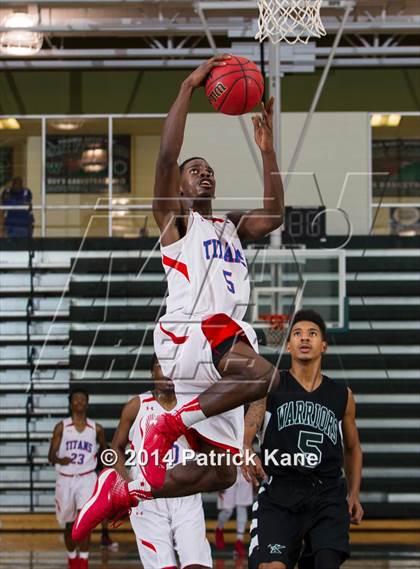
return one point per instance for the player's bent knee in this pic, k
(227, 476)
(262, 383)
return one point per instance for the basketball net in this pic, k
(277, 328)
(290, 20)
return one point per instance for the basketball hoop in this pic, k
(290, 20)
(277, 328)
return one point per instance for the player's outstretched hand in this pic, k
(263, 127)
(253, 472)
(355, 510)
(199, 75)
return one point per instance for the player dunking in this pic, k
(73, 451)
(202, 342)
(303, 509)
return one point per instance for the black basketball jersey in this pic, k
(302, 431)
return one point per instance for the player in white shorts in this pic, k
(73, 450)
(202, 342)
(163, 527)
(239, 496)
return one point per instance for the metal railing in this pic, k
(30, 356)
(107, 210)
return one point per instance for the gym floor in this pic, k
(45, 550)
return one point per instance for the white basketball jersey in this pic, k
(149, 407)
(206, 270)
(82, 448)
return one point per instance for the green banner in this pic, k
(400, 159)
(79, 164)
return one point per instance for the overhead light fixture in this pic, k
(394, 120)
(66, 124)
(20, 41)
(10, 124)
(376, 120)
(385, 120)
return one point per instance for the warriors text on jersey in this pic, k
(81, 447)
(299, 423)
(206, 270)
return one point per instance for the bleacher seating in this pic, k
(94, 309)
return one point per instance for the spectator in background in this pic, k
(17, 222)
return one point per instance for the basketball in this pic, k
(235, 88)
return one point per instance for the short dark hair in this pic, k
(183, 164)
(153, 362)
(78, 390)
(310, 316)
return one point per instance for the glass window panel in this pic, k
(20, 160)
(76, 177)
(136, 144)
(396, 176)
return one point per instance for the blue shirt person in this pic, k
(17, 222)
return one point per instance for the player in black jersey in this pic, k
(307, 432)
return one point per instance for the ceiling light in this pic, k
(20, 41)
(64, 124)
(377, 120)
(11, 124)
(394, 120)
(385, 120)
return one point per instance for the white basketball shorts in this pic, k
(71, 493)
(168, 525)
(184, 350)
(239, 494)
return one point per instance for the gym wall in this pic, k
(332, 151)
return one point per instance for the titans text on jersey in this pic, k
(79, 445)
(216, 249)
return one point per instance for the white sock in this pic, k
(84, 554)
(72, 554)
(190, 413)
(223, 517)
(241, 520)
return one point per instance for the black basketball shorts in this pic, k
(292, 519)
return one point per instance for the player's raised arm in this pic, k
(166, 204)
(352, 460)
(258, 223)
(120, 438)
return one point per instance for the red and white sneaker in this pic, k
(74, 563)
(159, 434)
(219, 540)
(240, 548)
(110, 500)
